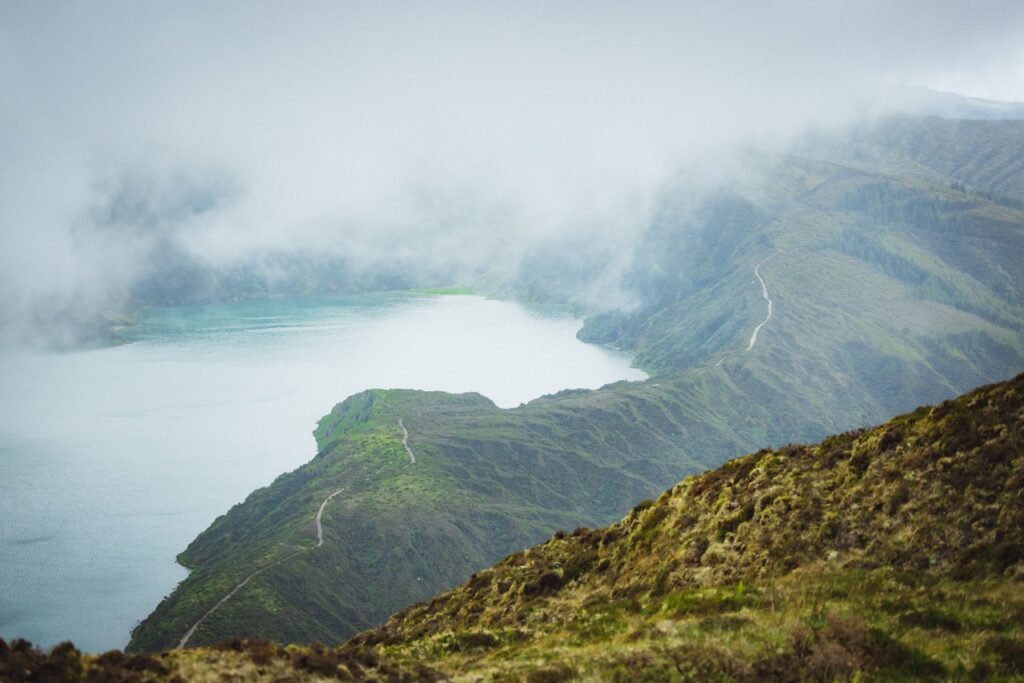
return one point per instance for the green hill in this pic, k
(895, 552)
(896, 279)
(891, 553)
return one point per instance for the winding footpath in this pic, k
(319, 542)
(764, 293)
(405, 441)
(319, 514)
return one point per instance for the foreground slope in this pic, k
(896, 279)
(897, 549)
(891, 553)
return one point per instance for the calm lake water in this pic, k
(114, 459)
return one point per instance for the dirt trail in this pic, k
(405, 442)
(764, 293)
(319, 542)
(319, 514)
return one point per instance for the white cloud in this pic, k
(346, 125)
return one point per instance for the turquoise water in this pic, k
(114, 459)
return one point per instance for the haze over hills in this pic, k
(152, 214)
(887, 291)
(950, 105)
(355, 148)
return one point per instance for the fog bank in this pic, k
(453, 140)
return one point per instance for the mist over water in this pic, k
(140, 141)
(115, 459)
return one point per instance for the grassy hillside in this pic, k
(895, 552)
(485, 481)
(888, 291)
(891, 553)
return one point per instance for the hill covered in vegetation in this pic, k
(890, 553)
(895, 551)
(895, 277)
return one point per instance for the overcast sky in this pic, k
(337, 123)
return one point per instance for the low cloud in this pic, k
(463, 136)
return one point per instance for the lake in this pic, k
(114, 459)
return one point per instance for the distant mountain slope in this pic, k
(888, 291)
(897, 550)
(949, 105)
(984, 155)
(890, 553)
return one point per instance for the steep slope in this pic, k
(897, 265)
(484, 481)
(891, 553)
(888, 291)
(897, 550)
